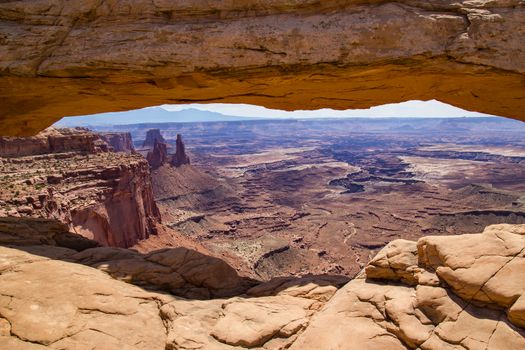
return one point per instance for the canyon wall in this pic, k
(127, 213)
(80, 57)
(49, 141)
(102, 195)
(119, 141)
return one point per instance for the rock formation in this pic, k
(51, 140)
(102, 195)
(180, 157)
(34, 231)
(119, 141)
(456, 292)
(443, 292)
(127, 212)
(158, 156)
(152, 136)
(280, 54)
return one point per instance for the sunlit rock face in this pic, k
(79, 57)
(429, 295)
(70, 175)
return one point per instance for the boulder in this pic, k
(55, 297)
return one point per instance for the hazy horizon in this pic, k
(232, 112)
(408, 109)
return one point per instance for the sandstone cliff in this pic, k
(101, 195)
(152, 136)
(50, 140)
(180, 157)
(158, 156)
(82, 57)
(443, 292)
(119, 141)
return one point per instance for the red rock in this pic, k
(158, 156)
(180, 157)
(119, 141)
(103, 196)
(151, 136)
(127, 213)
(52, 140)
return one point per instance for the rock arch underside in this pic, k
(59, 290)
(63, 58)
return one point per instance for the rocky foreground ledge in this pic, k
(444, 292)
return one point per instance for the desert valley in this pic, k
(272, 198)
(289, 197)
(261, 234)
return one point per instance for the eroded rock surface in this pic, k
(465, 305)
(158, 156)
(42, 306)
(153, 136)
(61, 305)
(51, 140)
(280, 54)
(54, 313)
(486, 267)
(102, 195)
(180, 157)
(119, 141)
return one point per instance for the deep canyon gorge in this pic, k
(263, 245)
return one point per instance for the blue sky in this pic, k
(221, 112)
(430, 108)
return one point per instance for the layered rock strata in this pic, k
(119, 141)
(442, 292)
(280, 54)
(52, 140)
(101, 195)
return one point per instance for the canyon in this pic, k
(267, 239)
(331, 234)
(286, 198)
(71, 175)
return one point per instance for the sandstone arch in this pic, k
(60, 58)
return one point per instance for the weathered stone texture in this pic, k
(64, 58)
(57, 298)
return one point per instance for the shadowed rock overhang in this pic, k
(62, 58)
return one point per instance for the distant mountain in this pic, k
(149, 115)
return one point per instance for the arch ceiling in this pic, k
(62, 58)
